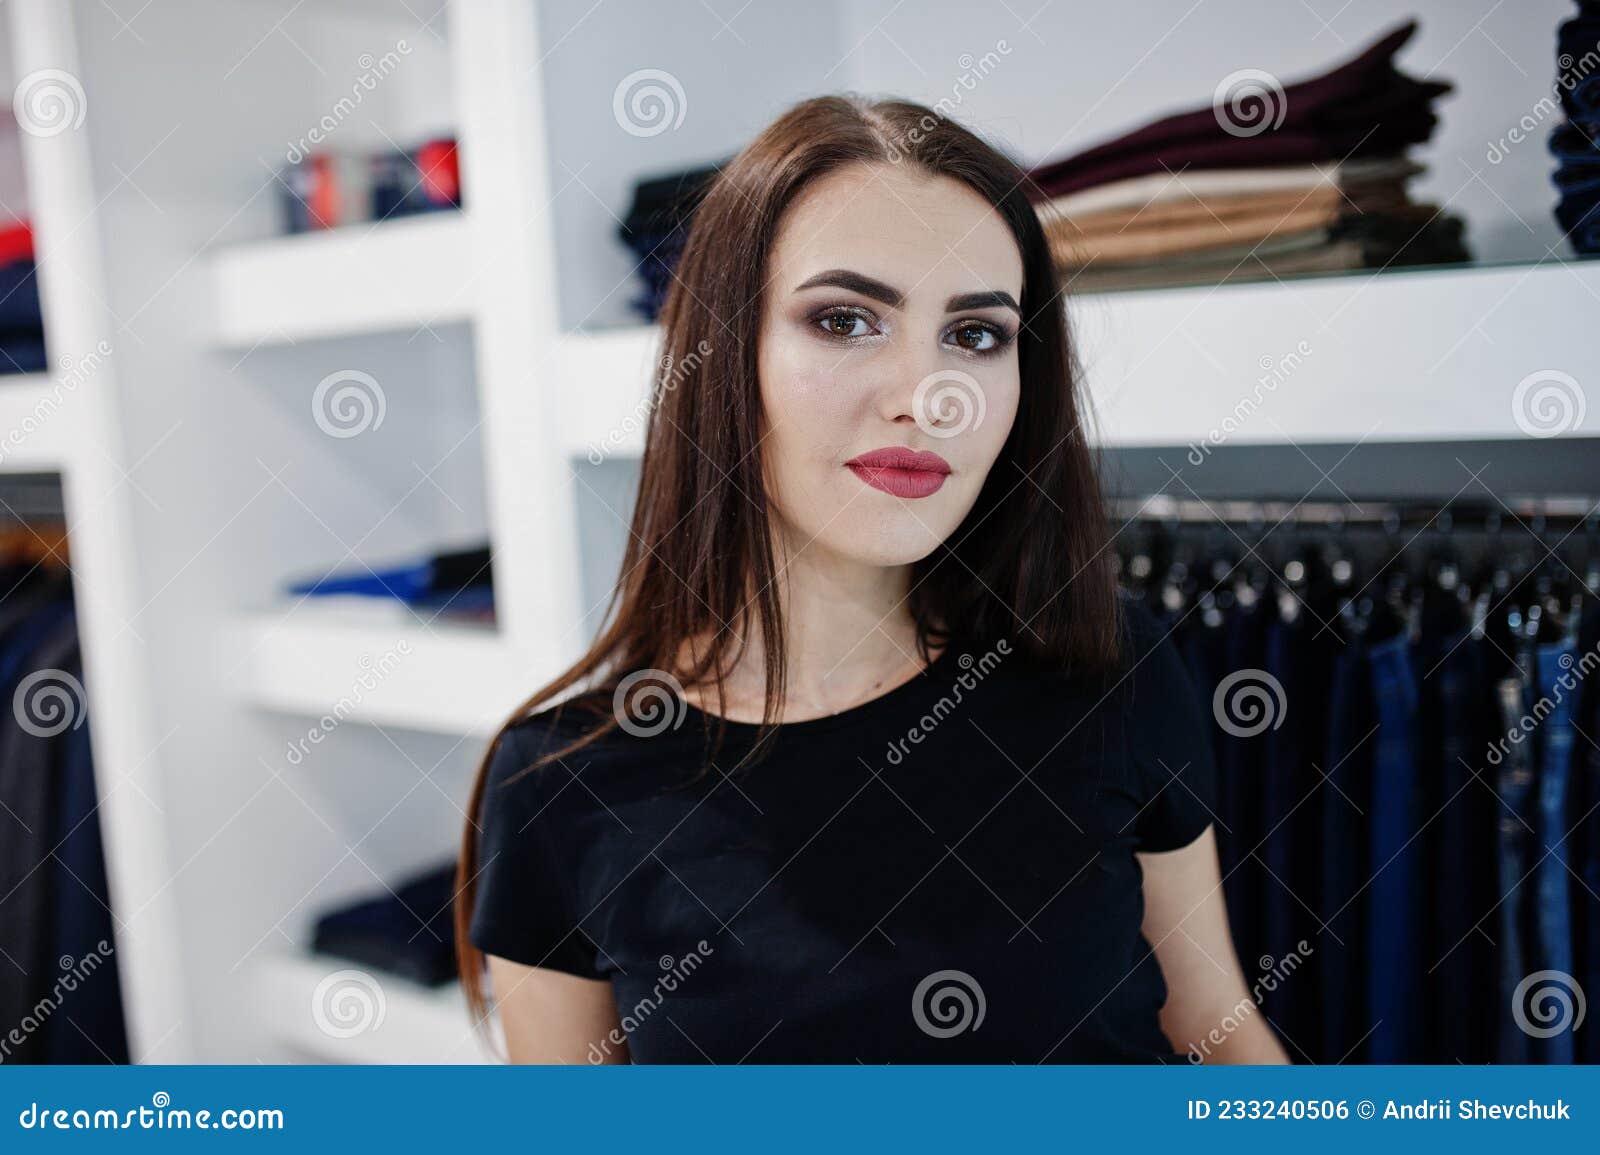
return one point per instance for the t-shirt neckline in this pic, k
(852, 715)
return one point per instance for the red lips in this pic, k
(900, 471)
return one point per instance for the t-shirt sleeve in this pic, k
(1172, 740)
(524, 910)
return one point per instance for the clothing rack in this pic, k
(1538, 512)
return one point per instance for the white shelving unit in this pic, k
(199, 483)
(416, 1024)
(1162, 364)
(397, 275)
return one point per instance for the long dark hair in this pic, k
(1029, 563)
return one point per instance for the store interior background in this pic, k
(198, 485)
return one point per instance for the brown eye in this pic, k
(844, 325)
(978, 338)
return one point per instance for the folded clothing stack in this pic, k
(1316, 184)
(1576, 142)
(409, 931)
(458, 584)
(656, 228)
(328, 189)
(21, 322)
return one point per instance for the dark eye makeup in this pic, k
(851, 325)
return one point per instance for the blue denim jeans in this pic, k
(1394, 908)
(1347, 762)
(1514, 784)
(1460, 980)
(1555, 681)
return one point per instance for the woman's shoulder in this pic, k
(1152, 667)
(530, 738)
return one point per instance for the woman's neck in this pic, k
(849, 637)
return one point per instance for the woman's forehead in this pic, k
(923, 234)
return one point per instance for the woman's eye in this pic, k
(977, 338)
(845, 325)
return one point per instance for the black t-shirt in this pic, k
(945, 873)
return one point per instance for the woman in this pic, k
(869, 762)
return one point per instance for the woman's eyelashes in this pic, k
(852, 325)
(984, 338)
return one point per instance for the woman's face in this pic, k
(889, 325)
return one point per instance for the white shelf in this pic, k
(381, 667)
(1404, 355)
(397, 274)
(419, 1025)
(37, 423)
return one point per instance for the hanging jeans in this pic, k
(1556, 683)
(1584, 821)
(1343, 801)
(1514, 784)
(1394, 932)
(1461, 968)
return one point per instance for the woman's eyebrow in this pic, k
(986, 300)
(856, 283)
(889, 295)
